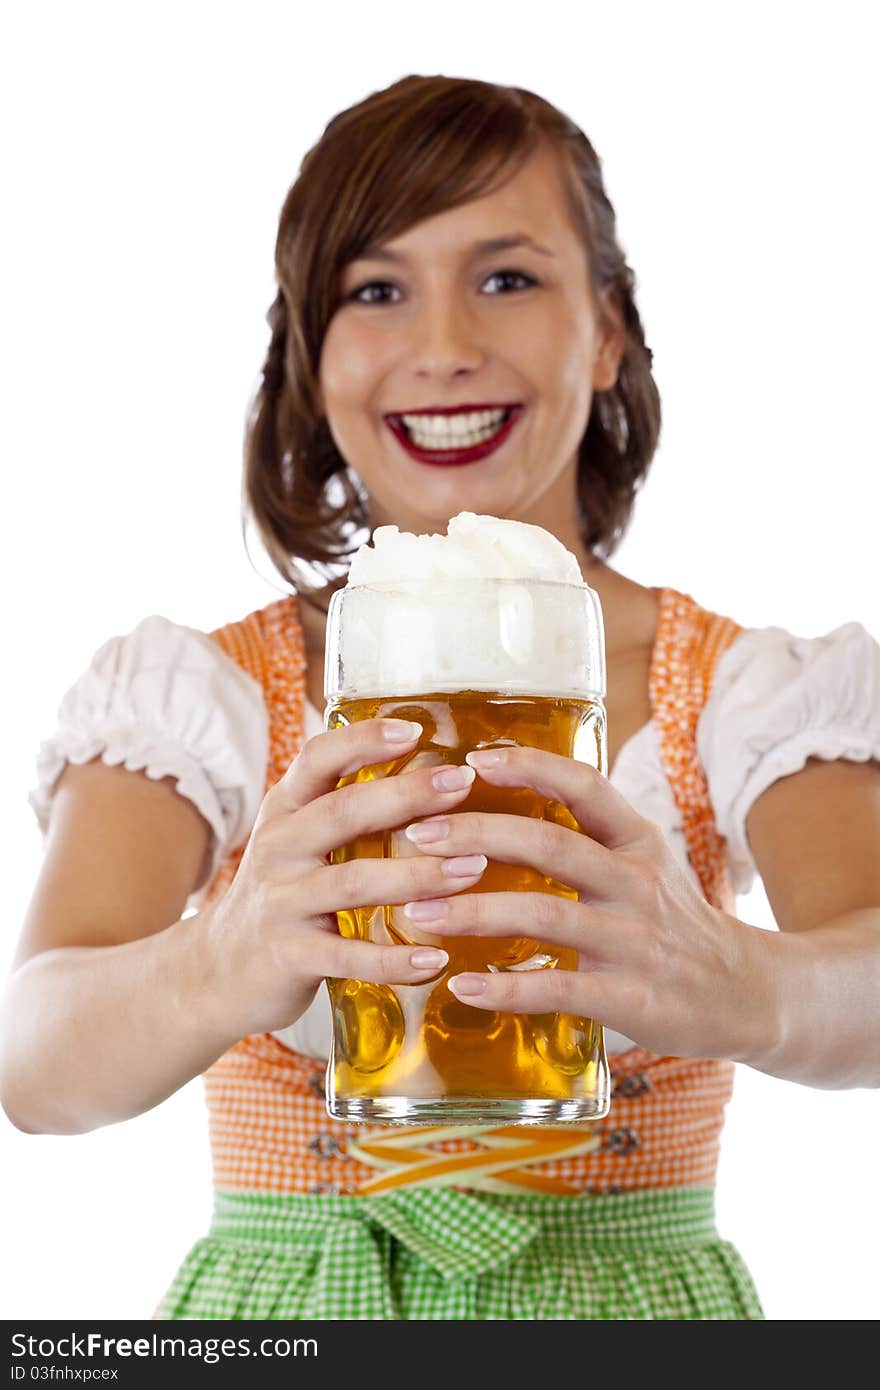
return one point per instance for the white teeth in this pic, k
(459, 441)
(455, 424)
(454, 431)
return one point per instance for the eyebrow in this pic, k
(478, 248)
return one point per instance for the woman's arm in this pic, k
(815, 839)
(114, 1003)
(655, 960)
(109, 1006)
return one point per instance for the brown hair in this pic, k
(421, 146)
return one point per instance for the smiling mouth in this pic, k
(460, 434)
(462, 430)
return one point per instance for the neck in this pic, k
(557, 511)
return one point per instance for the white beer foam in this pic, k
(474, 547)
(419, 619)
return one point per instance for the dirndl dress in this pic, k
(316, 1219)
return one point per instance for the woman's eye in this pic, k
(372, 293)
(384, 292)
(525, 281)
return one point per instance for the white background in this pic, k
(148, 154)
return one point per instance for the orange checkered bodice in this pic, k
(270, 1131)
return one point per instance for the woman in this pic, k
(448, 248)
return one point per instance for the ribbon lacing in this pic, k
(501, 1164)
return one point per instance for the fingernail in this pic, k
(427, 830)
(452, 779)
(464, 985)
(427, 958)
(401, 730)
(426, 910)
(486, 757)
(464, 865)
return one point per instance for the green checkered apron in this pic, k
(437, 1253)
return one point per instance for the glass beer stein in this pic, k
(480, 664)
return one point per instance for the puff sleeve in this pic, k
(776, 701)
(167, 699)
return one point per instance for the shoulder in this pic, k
(164, 676)
(775, 685)
(779, 699)
(775, 653)
(166, 699)
(264, 636)
(156, 660)
(687, 625)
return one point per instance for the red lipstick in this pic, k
(453, 457)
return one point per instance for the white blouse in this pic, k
(166, 698)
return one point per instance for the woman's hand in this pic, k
(656, 961)
(274, 934)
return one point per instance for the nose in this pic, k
(444, 341)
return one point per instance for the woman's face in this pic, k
(433, 320)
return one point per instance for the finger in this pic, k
(326, 758)
(568, 856)
(344, 815)
(598, 807)
(347, 959)
(544, 917)
(332, 888)
(596, 994)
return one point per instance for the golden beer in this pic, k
(419, 1041)
(416, 1053)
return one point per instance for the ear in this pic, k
(612, 341)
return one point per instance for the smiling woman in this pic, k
(491, 257)
(455, 335)
(468, 303)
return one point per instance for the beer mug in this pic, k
(480, 663)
